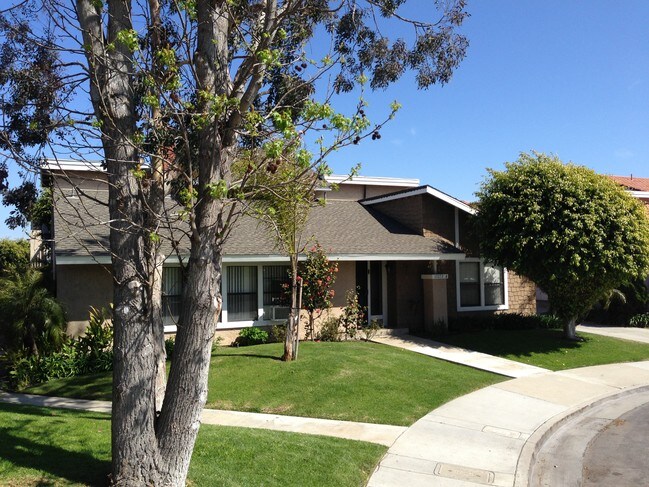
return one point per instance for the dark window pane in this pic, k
(376, 283)
(242, 293)
(275, 306)
(469, 284)
(470, 294)
(172, 289)
(494, 285)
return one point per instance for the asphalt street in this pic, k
(601, 447)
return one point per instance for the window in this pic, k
(242, 293)
(481, 285)
(494, 285)
(275, 305)
(253, 293)
(172, 289)
(469, 284)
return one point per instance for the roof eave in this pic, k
(418, 191)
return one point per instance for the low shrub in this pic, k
(169, 347)
(91, 353)
(369, 331)
(278, 334)
(505, 321)
(640, 321)
(622, 305)
(329, 330)
(353, 316)
(251, 336)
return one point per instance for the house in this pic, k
(637, 187)
(404, 246)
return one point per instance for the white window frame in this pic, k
(224, 324)
(170, 328)
(482, 306)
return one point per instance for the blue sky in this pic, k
(563, 77)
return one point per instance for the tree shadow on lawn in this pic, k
(90, 386)
(40, 453)
(253, 355)
(520, 343)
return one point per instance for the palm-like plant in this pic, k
(30, 319)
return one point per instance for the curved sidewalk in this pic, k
(470, 358)
(489, 437)
(624, 333)
(383, 434)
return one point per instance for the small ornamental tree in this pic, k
(576, 234)
(318, 275)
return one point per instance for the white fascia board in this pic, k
(72, 165)
(262, 259)
(640, 194)
(400, 257)
(423, 190)
(372, 181)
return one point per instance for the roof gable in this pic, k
(421, 190)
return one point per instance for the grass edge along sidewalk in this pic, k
(548, 348)
(43, 446)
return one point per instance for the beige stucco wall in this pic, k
(80, 286)
(345, 280)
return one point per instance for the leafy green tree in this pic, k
(183, 86)
(30, 319)
(14, 256)
(575, 233)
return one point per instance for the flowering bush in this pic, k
(318, 275)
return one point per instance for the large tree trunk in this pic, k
(187, 385)
(151, 449)
(570, 329)
(136, 459)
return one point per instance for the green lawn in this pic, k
(548, 348)
(354, 381)
(40, 446)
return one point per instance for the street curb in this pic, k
(528, 456)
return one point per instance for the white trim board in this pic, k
(372, 181)
(421, 190)
(264, 259)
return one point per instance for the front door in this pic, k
(370, 286)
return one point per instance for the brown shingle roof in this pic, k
(631, 182)
(341, 227)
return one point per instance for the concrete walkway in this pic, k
(491, 436)
(458, 355)
(625, 333)
(383, 434)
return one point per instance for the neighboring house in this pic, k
(405, 247)
(637, 187)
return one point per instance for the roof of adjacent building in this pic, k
(631, 182)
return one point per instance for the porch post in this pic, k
(435, 302)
